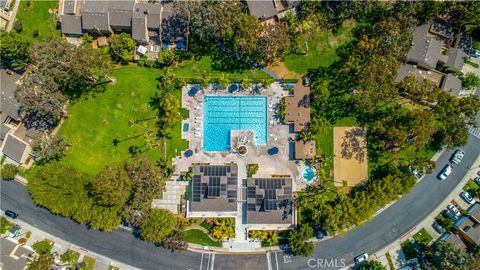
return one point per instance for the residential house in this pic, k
(213, 191)
(425, 49)
(454, 239)
(269, 202)
(15, 137)
(99, 18)
(269, 10)
(297, 111)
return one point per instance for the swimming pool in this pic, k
(308, 174)
(223, 114)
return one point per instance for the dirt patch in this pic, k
(283, 72)
(350, 156)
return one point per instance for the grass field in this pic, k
(196, 236)
(319, 47)
(95, 122)
(39, 16)
(192, 69)
(423, 237)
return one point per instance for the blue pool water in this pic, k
(223, 114)
(308, 174)
(185, 127)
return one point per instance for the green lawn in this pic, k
(95, 122)
(40, 16)
(196, 236)
(423, 237)
(89, 262)
(321, 48)
(470, 186)
(192, 69)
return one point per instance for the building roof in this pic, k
(152, 11)
(419, 73)
(72, 24)
(424, 50)
(269, 201)
(474, 212)
(456, 241)
(19, 261)
(297, 107)
(452, 84)
(14, 148)
(95, 16)
(139, 29)
(441, 29)
(471, 231)
(69, 6)
(305, 150)
(214, 188)
(261, 9)
(120, 13)
(456, 59)
(4, 129)
(10, 106)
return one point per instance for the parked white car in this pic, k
(446, 171)
(457, 157)
(467, 197)
(454, 210)
(361, 258)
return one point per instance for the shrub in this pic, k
(8, 171)
(22, 241)
(35, 33)
(42, 247)
(252, 169)
(18, 26)
(5, 225)
(28, 234)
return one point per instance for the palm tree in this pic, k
(224, 81)
(205, 80)
(265, 82)
(246, 82)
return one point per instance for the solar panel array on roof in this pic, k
(270, 194)
(251, 192)
(232, 180)
(270, 183)
(213, 191)
(232, 194)
(214, 170)
(196, 188)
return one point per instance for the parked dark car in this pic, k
(438, 228)
(11, 214)
(320, 233)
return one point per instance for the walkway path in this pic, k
(13, 15)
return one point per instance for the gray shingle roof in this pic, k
(452, 84)
(139, 30)
(14, 148)
(425, 50)
(152, 11)
(214, 188)
(10, 106)
(69, 6)
(95, 16)
(72, 24)
(261, 9)
(456, 59)
(269, 201)
(120, 13)
(3, 131)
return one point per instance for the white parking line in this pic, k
(269, 263)
(213, 261)
(201, 261)
(276, 260)
(474, 131)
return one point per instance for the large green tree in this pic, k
(112, 186)
(444, 255)
(122, 48)
(298, 240)
(159, 224)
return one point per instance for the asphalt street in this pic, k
(121, 245)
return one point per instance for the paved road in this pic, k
(387, 227)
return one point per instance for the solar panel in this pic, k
(256, 182)
(231, 200)
(231, 180)
(213, 192)
(283, 182)
(251, 192)
(270, 205)
(270, 194)
(231, 194)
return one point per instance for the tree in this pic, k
(372, 265)
(246, 30)
(48, 148)
(122, 48)
(112, 186)
(169, 113)
(42, 247)
(470, 81)
(8, 171)
(105, 218)
(42, 262)
(158, 225)
(70, 257)
(13, 46)
(246, 82)
(5, 225)
(297, 240)
(224, 81)
(444, 255)
(273, 43)
(148, 183)
(175, 241)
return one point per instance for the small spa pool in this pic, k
(186, 126)
(308, 174)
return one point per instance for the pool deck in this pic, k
(278, 136)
